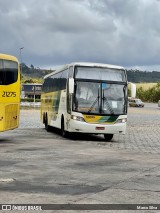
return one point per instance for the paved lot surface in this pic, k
(43, 167)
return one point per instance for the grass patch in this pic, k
(145, 86)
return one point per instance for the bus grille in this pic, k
(11, 116)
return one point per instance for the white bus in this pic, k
(86, 98)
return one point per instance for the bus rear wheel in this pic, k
(108, 137)
(47, 127)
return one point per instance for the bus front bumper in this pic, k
(83, 127)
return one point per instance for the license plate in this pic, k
(100, 128)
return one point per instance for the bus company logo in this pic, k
(90, 116)
(7, 207)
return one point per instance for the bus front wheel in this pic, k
(63, 132)
(108, 137)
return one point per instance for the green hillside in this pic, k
(32, 74)
(137, 76)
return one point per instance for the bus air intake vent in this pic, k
(11, 116)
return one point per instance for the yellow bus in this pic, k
(86, 98)
(9, 92)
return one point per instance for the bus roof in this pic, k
(8, 57)
(84, 64)
(89, 64)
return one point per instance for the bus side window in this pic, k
(46, 85)
(64, 79)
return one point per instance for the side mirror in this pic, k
(71, 85)
(133, 89)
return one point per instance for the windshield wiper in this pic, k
(97, 99)
(105, 100)
(108, 105)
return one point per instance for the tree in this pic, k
(32, 67)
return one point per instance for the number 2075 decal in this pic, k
(8, 94)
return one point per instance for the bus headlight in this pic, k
(77, 118)
(123, 120)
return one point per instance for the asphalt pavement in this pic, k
(43, 168)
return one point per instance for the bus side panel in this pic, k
(1, 117)
(50, 106)
(62, 108)
(46, 106)
(58, 108)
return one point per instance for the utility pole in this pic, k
(21, 48)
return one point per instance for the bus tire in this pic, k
(44, 118)
(63, 132)
(108, 137)
(47, 127)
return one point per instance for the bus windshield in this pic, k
(99, 98)
(100, 90)
(8, 72)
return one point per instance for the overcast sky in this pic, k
(55, 32)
